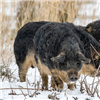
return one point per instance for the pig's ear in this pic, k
(96, 57)
(89, 29)
(59, 58)
(82, 58)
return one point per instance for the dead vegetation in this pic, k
(90, 89)
(93, 88)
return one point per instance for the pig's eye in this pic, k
(78, 64)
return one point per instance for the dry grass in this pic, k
(59, 11)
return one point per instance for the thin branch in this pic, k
(24, 89)
(95, 49)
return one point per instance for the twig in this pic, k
(24, 89)
(65, 94)
(12, 93)
(87, 99)
(34, 93)
(23, 93)
(95, 49)
(92, 84)
(91, 91)
(95, 89)
(75, 98)
(87, 88)
(81, 86)
(97, 93)
(27, 85)
(53, 96)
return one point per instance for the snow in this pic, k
(91, 13)
(33, 78)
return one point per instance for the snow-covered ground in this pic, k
(13, 90)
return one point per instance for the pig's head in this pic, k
(94, 29)
(69, 65)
